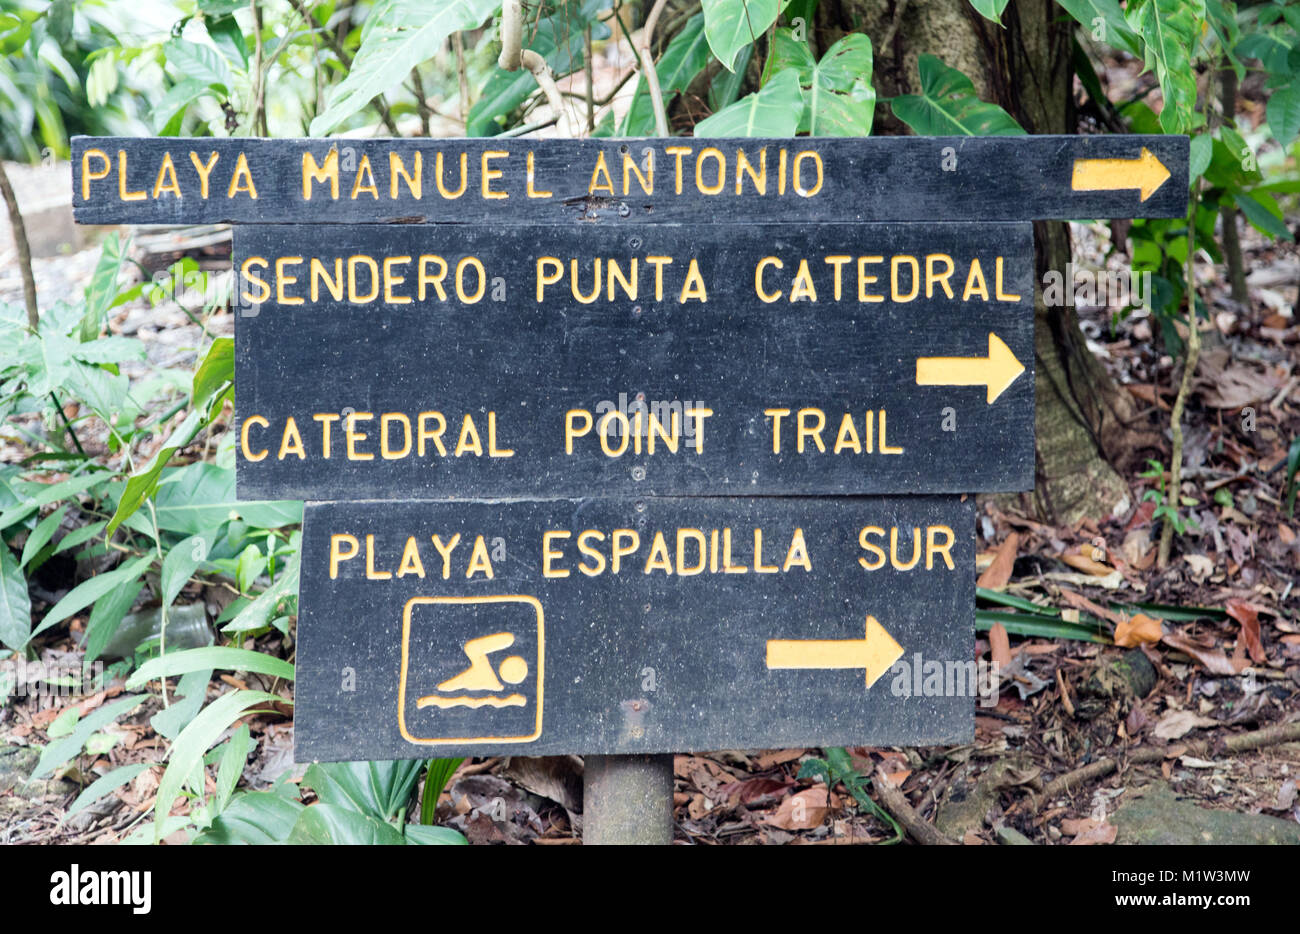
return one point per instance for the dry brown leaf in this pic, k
(804, 810)
(1202, 567)
(1140, 628)
(1178, 723)
(775, 757)
(1228, 384)
(1212, 660)
(1000, 646)
(1087, 565)
(1073, 826)
(751, 788)
(1285, 534)
(1100, 835)
(896, 778)
(1148, 393)
(1248, 615)
(1286, 796)
(999, 572)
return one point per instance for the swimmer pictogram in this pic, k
(484, 675)
(481, 676)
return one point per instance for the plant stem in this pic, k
(458, 41)
(24, 250)
(255, 96)
(1174, 499)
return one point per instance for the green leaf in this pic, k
(436, 776)
(41, 535)
(378, 789)
(725, 87)
(422, 835)
(206, 658)
(840, 98)
(191, 692)
(182, 560)
(1103, 21)
(229, 38)
(731, 25)
(15, 603)
(948, 105)
(199, 497)
(1202, 148)
(88, 591)
(1284, 113)
(77, 536)
(248, 566)
(1170, 31)
(398, 35)
(47, 494)
(57, 754)
(64, 723)
(198, 63)
(108, 782)
(257, 818)
(1031, 624)
(330, 825)
(216, 370)
(774, 111)
(1262, 211)
(990, 9)
(110, 349)
(140, 486)
(106, 616)
(686, 56)
(259, 612)
(232, 764)
(102, 288)
(187, 752)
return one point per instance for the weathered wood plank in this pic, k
(610, 182)
(693, 641)
(365, 371)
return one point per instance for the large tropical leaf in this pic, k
(838, 97)
(1170, 31)
(730, 25)
(330, 825)
(1104, 21)
(399, 34)
(684, 58)
(1284, 113)
(774, 111)
(377, 789)
(990, 9)
(15, 604)
(949, 106)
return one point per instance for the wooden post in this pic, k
(627, 800)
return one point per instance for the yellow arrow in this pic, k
(877, 652)
(1145, 173)
(997, 371)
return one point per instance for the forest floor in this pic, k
(1207, 649)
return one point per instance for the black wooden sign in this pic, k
(401, 362)
(509, 182)
(634, 626)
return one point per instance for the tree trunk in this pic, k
(1024, 67)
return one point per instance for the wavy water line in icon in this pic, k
(433, 700)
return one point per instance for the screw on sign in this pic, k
(499, 559)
